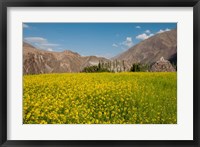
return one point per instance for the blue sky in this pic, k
(99, 39)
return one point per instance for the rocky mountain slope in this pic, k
(37, 61)
(152, 49)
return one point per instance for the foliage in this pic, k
(100, 98)
(174, 65)
(138, 67)
(95, 68)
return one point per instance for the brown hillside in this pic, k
(152, 49)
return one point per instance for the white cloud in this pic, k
(161, 31)
(39, 40)
(129, 39)
(50, 44)
(144, 36)
(50, 49)
(114, 45)
(138, 27)
(128, 42)
(107, 55)
(25, 25)
(41, 43)
(148, 31)
(151, 34)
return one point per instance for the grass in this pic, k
(100, 98)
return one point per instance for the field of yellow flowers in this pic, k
(100, 98)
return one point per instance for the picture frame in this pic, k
(195, 4)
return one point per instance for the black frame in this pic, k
(98, 3)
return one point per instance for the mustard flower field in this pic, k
(100, 98)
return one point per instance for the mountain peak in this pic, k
(70, 53)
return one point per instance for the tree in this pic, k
(123, 64)
(138, 67)
(95, 68)
(90, 69)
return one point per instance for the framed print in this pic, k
(104, 73)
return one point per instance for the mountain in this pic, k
(152, 49)
(36, 61)
(149, 51)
